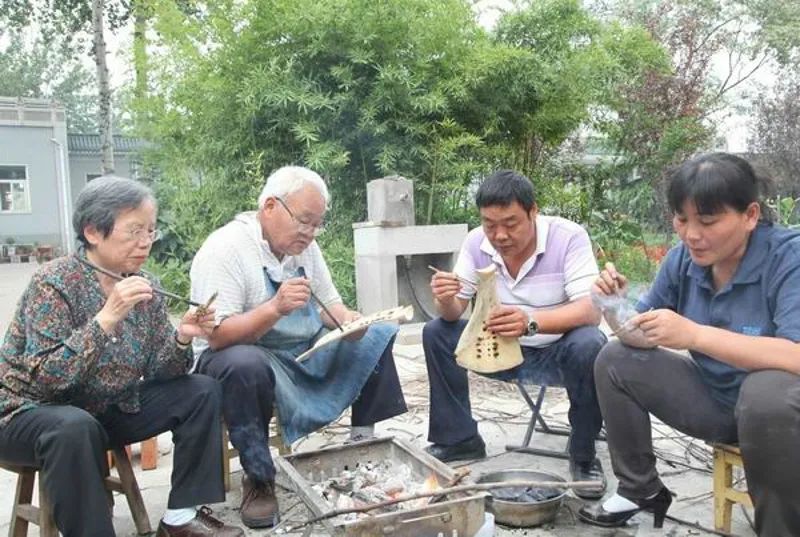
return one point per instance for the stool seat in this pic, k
(726, 457)
(24, 512)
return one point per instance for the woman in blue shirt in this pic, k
(729, 294)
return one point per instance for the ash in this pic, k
(372, 483)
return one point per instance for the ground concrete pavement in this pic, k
(684, 464)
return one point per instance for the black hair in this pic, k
(103, 199)
(503, 188)
(715, 181)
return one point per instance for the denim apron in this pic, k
(313, 393)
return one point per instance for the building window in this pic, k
(14, 191)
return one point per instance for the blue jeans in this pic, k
(569, 362)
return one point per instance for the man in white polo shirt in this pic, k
(265, 265)
(545, 270)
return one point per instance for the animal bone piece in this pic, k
(478, 349)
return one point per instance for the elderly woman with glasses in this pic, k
(91, 360)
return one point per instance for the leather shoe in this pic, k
(259, 505)
(202, 525)
(588, 471)
(658, 505)
(472, 448)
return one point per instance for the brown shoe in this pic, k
(203, 525)
(259, 504)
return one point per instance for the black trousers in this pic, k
(69, 446)
(569, 362)
(634, 383)
(248, 387)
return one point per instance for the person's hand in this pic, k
(194, 325)
(610, 282)
(349, 317)
(445, 285)
(667, 328)
(292, 294)
(123, 297)
(507, 321)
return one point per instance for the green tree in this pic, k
(357, 90)
(775, 137)
(36, 68)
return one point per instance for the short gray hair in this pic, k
(103, 199)
(288, 179)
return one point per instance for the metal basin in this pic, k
(524, 514)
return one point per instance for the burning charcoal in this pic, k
(525, 495)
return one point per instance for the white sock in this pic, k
(179, 517)
(363, 431)
(618, 504)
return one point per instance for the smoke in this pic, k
(621, 306)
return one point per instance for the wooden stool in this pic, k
(148, 454)
(229, 452)
(725, 495)
(24, 512)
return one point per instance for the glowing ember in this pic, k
(372, 483)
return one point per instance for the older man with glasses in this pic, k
(265, 265)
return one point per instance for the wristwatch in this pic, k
(533, 326)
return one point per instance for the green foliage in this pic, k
(42, 67)
(786, 210)
(357, 90)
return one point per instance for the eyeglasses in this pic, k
(141, 235)
(303, 227)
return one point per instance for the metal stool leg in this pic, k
(536, 417)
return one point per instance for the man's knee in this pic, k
(433, 329)
(442, 336)
(585, 342)
(240, 364)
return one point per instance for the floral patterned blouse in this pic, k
(56, 353)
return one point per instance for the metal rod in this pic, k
(326, 310)
(302, 272)
(157, 290)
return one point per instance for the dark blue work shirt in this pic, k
(762, 298)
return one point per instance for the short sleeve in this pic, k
(785, 297)
(467, 270)
(664, 291)
(217, 269)
(580, 266)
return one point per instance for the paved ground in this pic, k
(684, 464)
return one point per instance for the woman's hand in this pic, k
(121, 300)
(667, 328)
(610, 282)
(194, 325)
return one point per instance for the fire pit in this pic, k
(372, 471)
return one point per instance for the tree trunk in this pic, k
(104, 89)
(140, 18)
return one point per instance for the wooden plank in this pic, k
(150, 453)
(22, 503)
